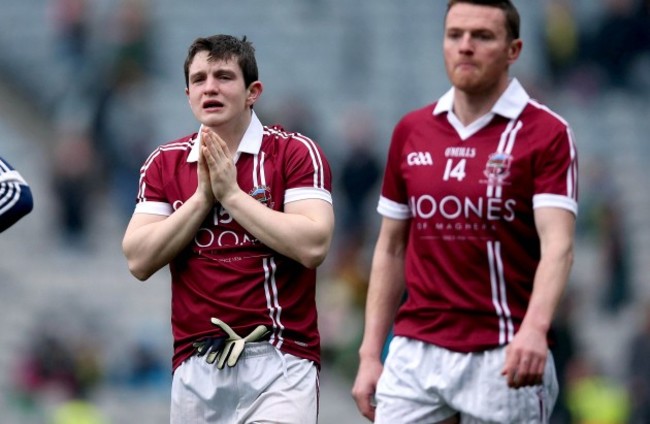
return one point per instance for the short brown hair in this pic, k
(225, 47)
(513, 21)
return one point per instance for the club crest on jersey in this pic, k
(262, 194)
(497, 167)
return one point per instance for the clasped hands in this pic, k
(217, 172)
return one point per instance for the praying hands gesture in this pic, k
(217, 172)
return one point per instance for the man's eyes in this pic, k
(483, 36)
(221, 77)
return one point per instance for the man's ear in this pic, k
(254, 92)
(514, 50)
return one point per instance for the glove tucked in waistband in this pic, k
(227, 350)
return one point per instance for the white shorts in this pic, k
(266, 386)
(423, 383)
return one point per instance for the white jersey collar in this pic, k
(251, 142)
(509, 105)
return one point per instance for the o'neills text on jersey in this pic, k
(460, 152)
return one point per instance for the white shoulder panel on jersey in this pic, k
(154, 208)
(393, 210)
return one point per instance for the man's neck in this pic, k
(233, 132)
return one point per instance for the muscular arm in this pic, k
(384, 295)
(526, 354)
(302, 232)
(152, 241)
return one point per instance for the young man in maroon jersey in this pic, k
(479, 205)
(242, 213)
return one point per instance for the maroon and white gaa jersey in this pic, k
(225, 272)
(469, 193)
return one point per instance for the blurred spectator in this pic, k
(55, 363)
(294, 112)
(74, 162)
(597, 184)
(123, 125)
(561, 39)
(618, 40)
(615, 258)
(58, 369)
(77, 408)
(124, 132)
(130, 36)
(147, 369)
(74, 69)
(593, 398)
(339, 318)
(71, 21)
(342, 296)
(563, 350)
(602, 223)
(639, 370)
(359, 171)
(78, 411)
(104, 120)
(46, 365)
(74, 171)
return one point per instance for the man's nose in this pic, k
(212, 85)
(466, 43)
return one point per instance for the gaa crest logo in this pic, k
(497, 167)
(262, 194)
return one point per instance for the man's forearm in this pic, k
(550, 282)
(303, 232)
(151, 244)
(385, 294)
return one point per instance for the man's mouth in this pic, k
(212, 104)
(466, 65)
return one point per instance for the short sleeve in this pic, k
(308, 173)
(393, 202)
(151, 196)
(556, 180)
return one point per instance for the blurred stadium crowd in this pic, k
(90, 87)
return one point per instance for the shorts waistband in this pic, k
(255, 349)
(252, 349)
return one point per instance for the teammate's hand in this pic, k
(365, 384)
(221, 166)
(526, 358)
